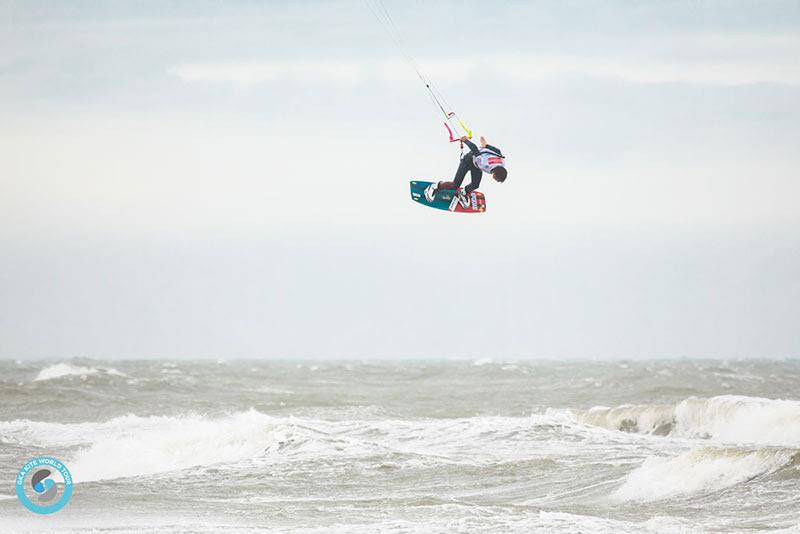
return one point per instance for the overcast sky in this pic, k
(230, 179)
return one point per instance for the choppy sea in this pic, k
(449, 446)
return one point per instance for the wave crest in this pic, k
(62, 369)
(702, 470)
(726, 418)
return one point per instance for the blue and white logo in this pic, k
(44, 485)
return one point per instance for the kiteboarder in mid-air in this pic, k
(477, 161)
(487, 158)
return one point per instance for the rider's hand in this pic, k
(464, 138)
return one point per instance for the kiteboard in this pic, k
(447, 199)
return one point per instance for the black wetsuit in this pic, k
(467, 165)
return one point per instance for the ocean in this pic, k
(407, 446)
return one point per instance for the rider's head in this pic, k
(499, 174)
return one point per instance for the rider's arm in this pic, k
(484, 144)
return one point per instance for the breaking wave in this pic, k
(135, 446)
(751, 437)
(61, 370)
(702, 470)
(131, 445)
(726, 418)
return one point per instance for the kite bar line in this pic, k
(455, 127)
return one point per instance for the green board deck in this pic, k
(447, 200)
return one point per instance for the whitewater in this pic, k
(407, 446)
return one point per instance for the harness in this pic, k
(488, 160)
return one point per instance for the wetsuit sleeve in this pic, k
(472, 147)
(490, 147)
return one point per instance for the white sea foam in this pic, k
(740, 419)
(64, 369)
(700, 470)
(353, 451)
(470, 519)
(132, 445)
(726, 419)
(60, 370)
(566, 522)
